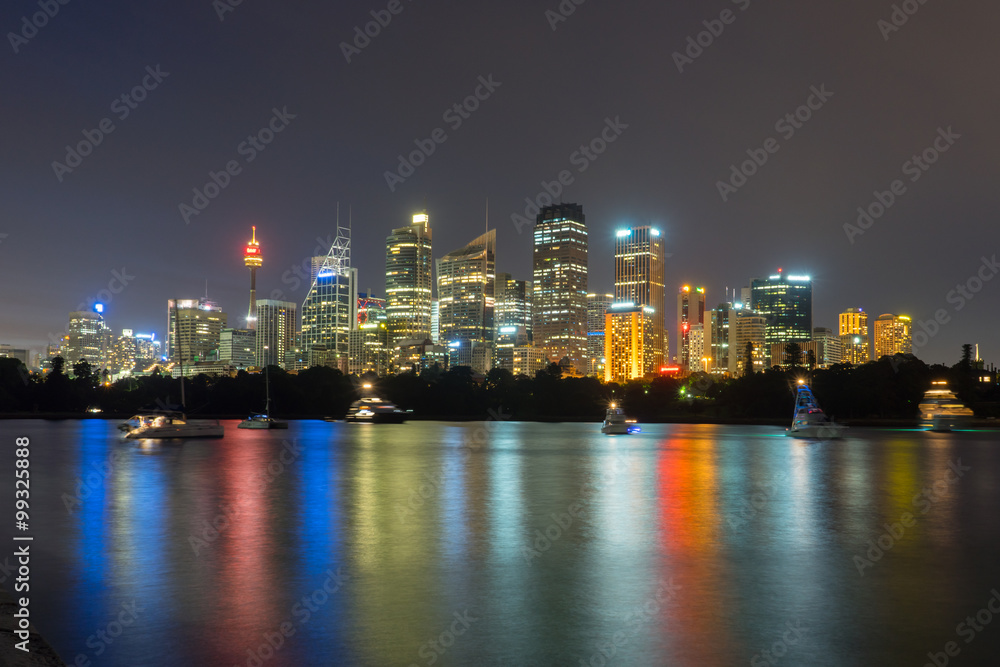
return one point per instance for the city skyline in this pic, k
(648, 140)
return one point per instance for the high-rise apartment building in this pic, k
(466, 281)
(749, 327)
(720, 328)
(276, 331)
(370, 352)
(88, 338)
(409, 281)
(690, 311)
(629, 333)
(698, 352)
(238, 347)
(194, 327)
(893, 335)
(513, 303)
(854, 346)
(639, 267)
(560, 283)
(786, 302)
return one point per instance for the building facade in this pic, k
(239, 347)
(370, 352)
(466, 280)
(330, 309)
(893, 335)
(639, 268)
(629, 332)
(513, 304)
(719, 332)
(560, 283)
(786, 302)
(597, 309)
(748, 328)
(276, 331)
(690, 311)
(854, 346)
(409, 281)
(194, 328)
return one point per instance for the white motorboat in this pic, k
(174, 425)
(374, 410)
(616, 422)
(809, 420)
(941, 410)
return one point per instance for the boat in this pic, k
(809, 420)
(263, 421)
(617, 423)
(941, 411)
(374, 410)
(166, 425)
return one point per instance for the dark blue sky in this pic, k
(119, 208)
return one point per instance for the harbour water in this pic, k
(503, 543)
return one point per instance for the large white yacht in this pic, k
(617, 423)
(940, 409)
(163, 425)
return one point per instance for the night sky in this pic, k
(892, 91)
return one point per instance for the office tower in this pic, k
(513, 303)
(88, 337)
(370, 309)
(276, 331)
(193, 329)
(597, 309)
(559, 308)
(746, 297)
(698, 355)
(690, 311)
(134, 351)
(829, 347)
(786, 302)
(520, 359)
(466, 281)
(253, 260)
(369, 350)
(9, 352)
(749, 328)
(639, 260)
(630, 333)
(409, 285)
(893, 335)
(720, 327)
(238, 347)
(330, 310)
(435, 321)
(854, 347)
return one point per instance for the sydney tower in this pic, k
(252, 258)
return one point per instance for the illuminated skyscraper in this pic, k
(467, 301)
(239, 347)
(276, 331)
(854, 348)
(88, 338)
(409, 281)
(690, 311)
(829, 345)
(720, 329)
(254, 260)
(893, 335)
(513, 303)
(629, 333)
(639, 266)
(560, 283)
(749, 328)
(370, 309)
(597, 309)
(194, 327)
(786, 302)
(330, 310)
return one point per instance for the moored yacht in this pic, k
(616, 422)
(174, 425)
(373, 410)
(809, 420)
(940, 409)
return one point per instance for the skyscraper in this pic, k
(276, 331)
(597, 309)
(829, 344)
(466, 302)
(893, 335)
(88, 338)
(254, 260)
(370, 309)
(854, 348)
(720, 328)
(330, 310)
(194, 327)
(749, 328)
(690, 311)
(786, 302)
(513, 303)
(629, 333)
(238, 346)
(560, 283)
(409, 284)
(639, 266)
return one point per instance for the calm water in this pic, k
(511, 544)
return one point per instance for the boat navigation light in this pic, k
(366, 385)
(802, 381)
(614, 405)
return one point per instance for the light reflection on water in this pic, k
(689, 545)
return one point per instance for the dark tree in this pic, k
(811, 360)
(793, 355)
(748, 364)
